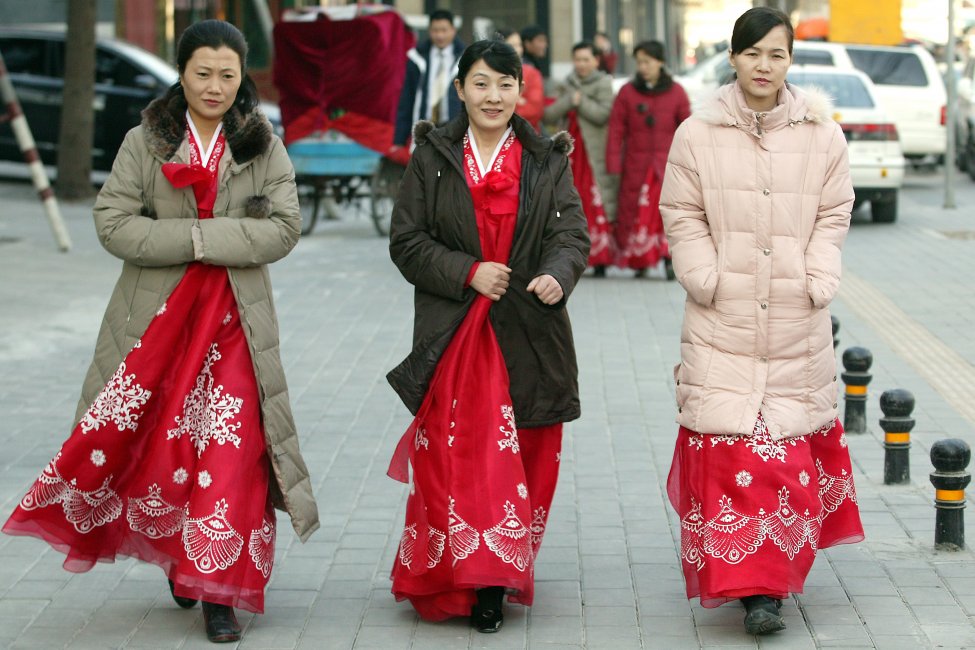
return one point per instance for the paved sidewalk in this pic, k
(608, 575)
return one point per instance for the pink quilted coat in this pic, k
(756, 207)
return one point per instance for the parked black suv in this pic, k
(127, 78)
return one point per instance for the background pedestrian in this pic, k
(645, 115)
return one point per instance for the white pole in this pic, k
(25, 140)
(951, 110)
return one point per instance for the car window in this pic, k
(846, 90)
(812, 57)
(25, 56)
(113, 70)
(889, 68)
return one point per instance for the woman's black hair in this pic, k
(653, 49)
(754, 24)
(216, 34)
(498, 55)
(502, 33)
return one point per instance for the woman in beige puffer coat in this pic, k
(756, 203)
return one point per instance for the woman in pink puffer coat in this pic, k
(756, 204)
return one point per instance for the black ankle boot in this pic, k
(669, 269)
(185, 603)
(221, 623)
(486, 615)
(599, 271)
(762, 614)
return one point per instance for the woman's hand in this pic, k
(547, 288)
(491, 280)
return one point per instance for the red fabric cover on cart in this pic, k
(342, 74)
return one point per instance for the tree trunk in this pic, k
(77, 114)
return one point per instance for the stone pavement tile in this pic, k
(906, 642)
(891, 625)
(881, 606)
(941, 614)
(563, 630)
(831, 614)
(608, 597)
(44, 638)
(725, 636)
(915, 577)
(788, 639)
(654, 625)
(345, 608)
(556, 607)
(860, 586)
(612, 638)
(596, 616)
(841, 636)
(927, 596)
(270, 638)
(949, 635)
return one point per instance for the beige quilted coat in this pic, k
(756, 208)
(152, 227)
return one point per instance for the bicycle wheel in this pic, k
(383, 187)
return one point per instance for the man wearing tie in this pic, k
(428, 90)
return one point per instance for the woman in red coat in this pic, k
(645, 116)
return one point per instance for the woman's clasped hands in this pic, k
(491, 279)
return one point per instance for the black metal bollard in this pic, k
(857, 362)
(836, 328)
(950, 458)
(897, 405)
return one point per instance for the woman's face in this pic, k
(210, 83)
(515, 41)
(648, 67)
(489, 97)
(762, 68)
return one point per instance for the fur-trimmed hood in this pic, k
(539, 146)
(163, 123)
(726, 107)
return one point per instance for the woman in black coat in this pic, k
(490, 231)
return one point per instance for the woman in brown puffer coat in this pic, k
(185, 441)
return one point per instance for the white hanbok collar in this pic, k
(477, 156)
(204, 156)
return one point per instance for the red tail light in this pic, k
(870, 132)
(944, 115)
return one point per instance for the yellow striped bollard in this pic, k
(897, 405)
(950, 458)
(857, 362)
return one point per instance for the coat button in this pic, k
(766, 191)
(834, 377)
(767, 251)
(834, 405)
(678, 382)
(763, 359)
(764, 305)
(680, 410)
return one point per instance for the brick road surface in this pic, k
(608, 574)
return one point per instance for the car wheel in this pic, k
(961, 156)
(884, 210)
(970, 158)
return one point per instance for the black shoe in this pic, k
(486, 615)
(185, 603)
(640, 273)
(599, 271)
(669, 268)
(220, 623)
(762, 615)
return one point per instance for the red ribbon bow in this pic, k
(182, 174)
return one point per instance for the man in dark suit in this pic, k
(428, 90)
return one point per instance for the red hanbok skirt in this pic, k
(641, 240)
(755, 510)
(602, 249)
(168, 465)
